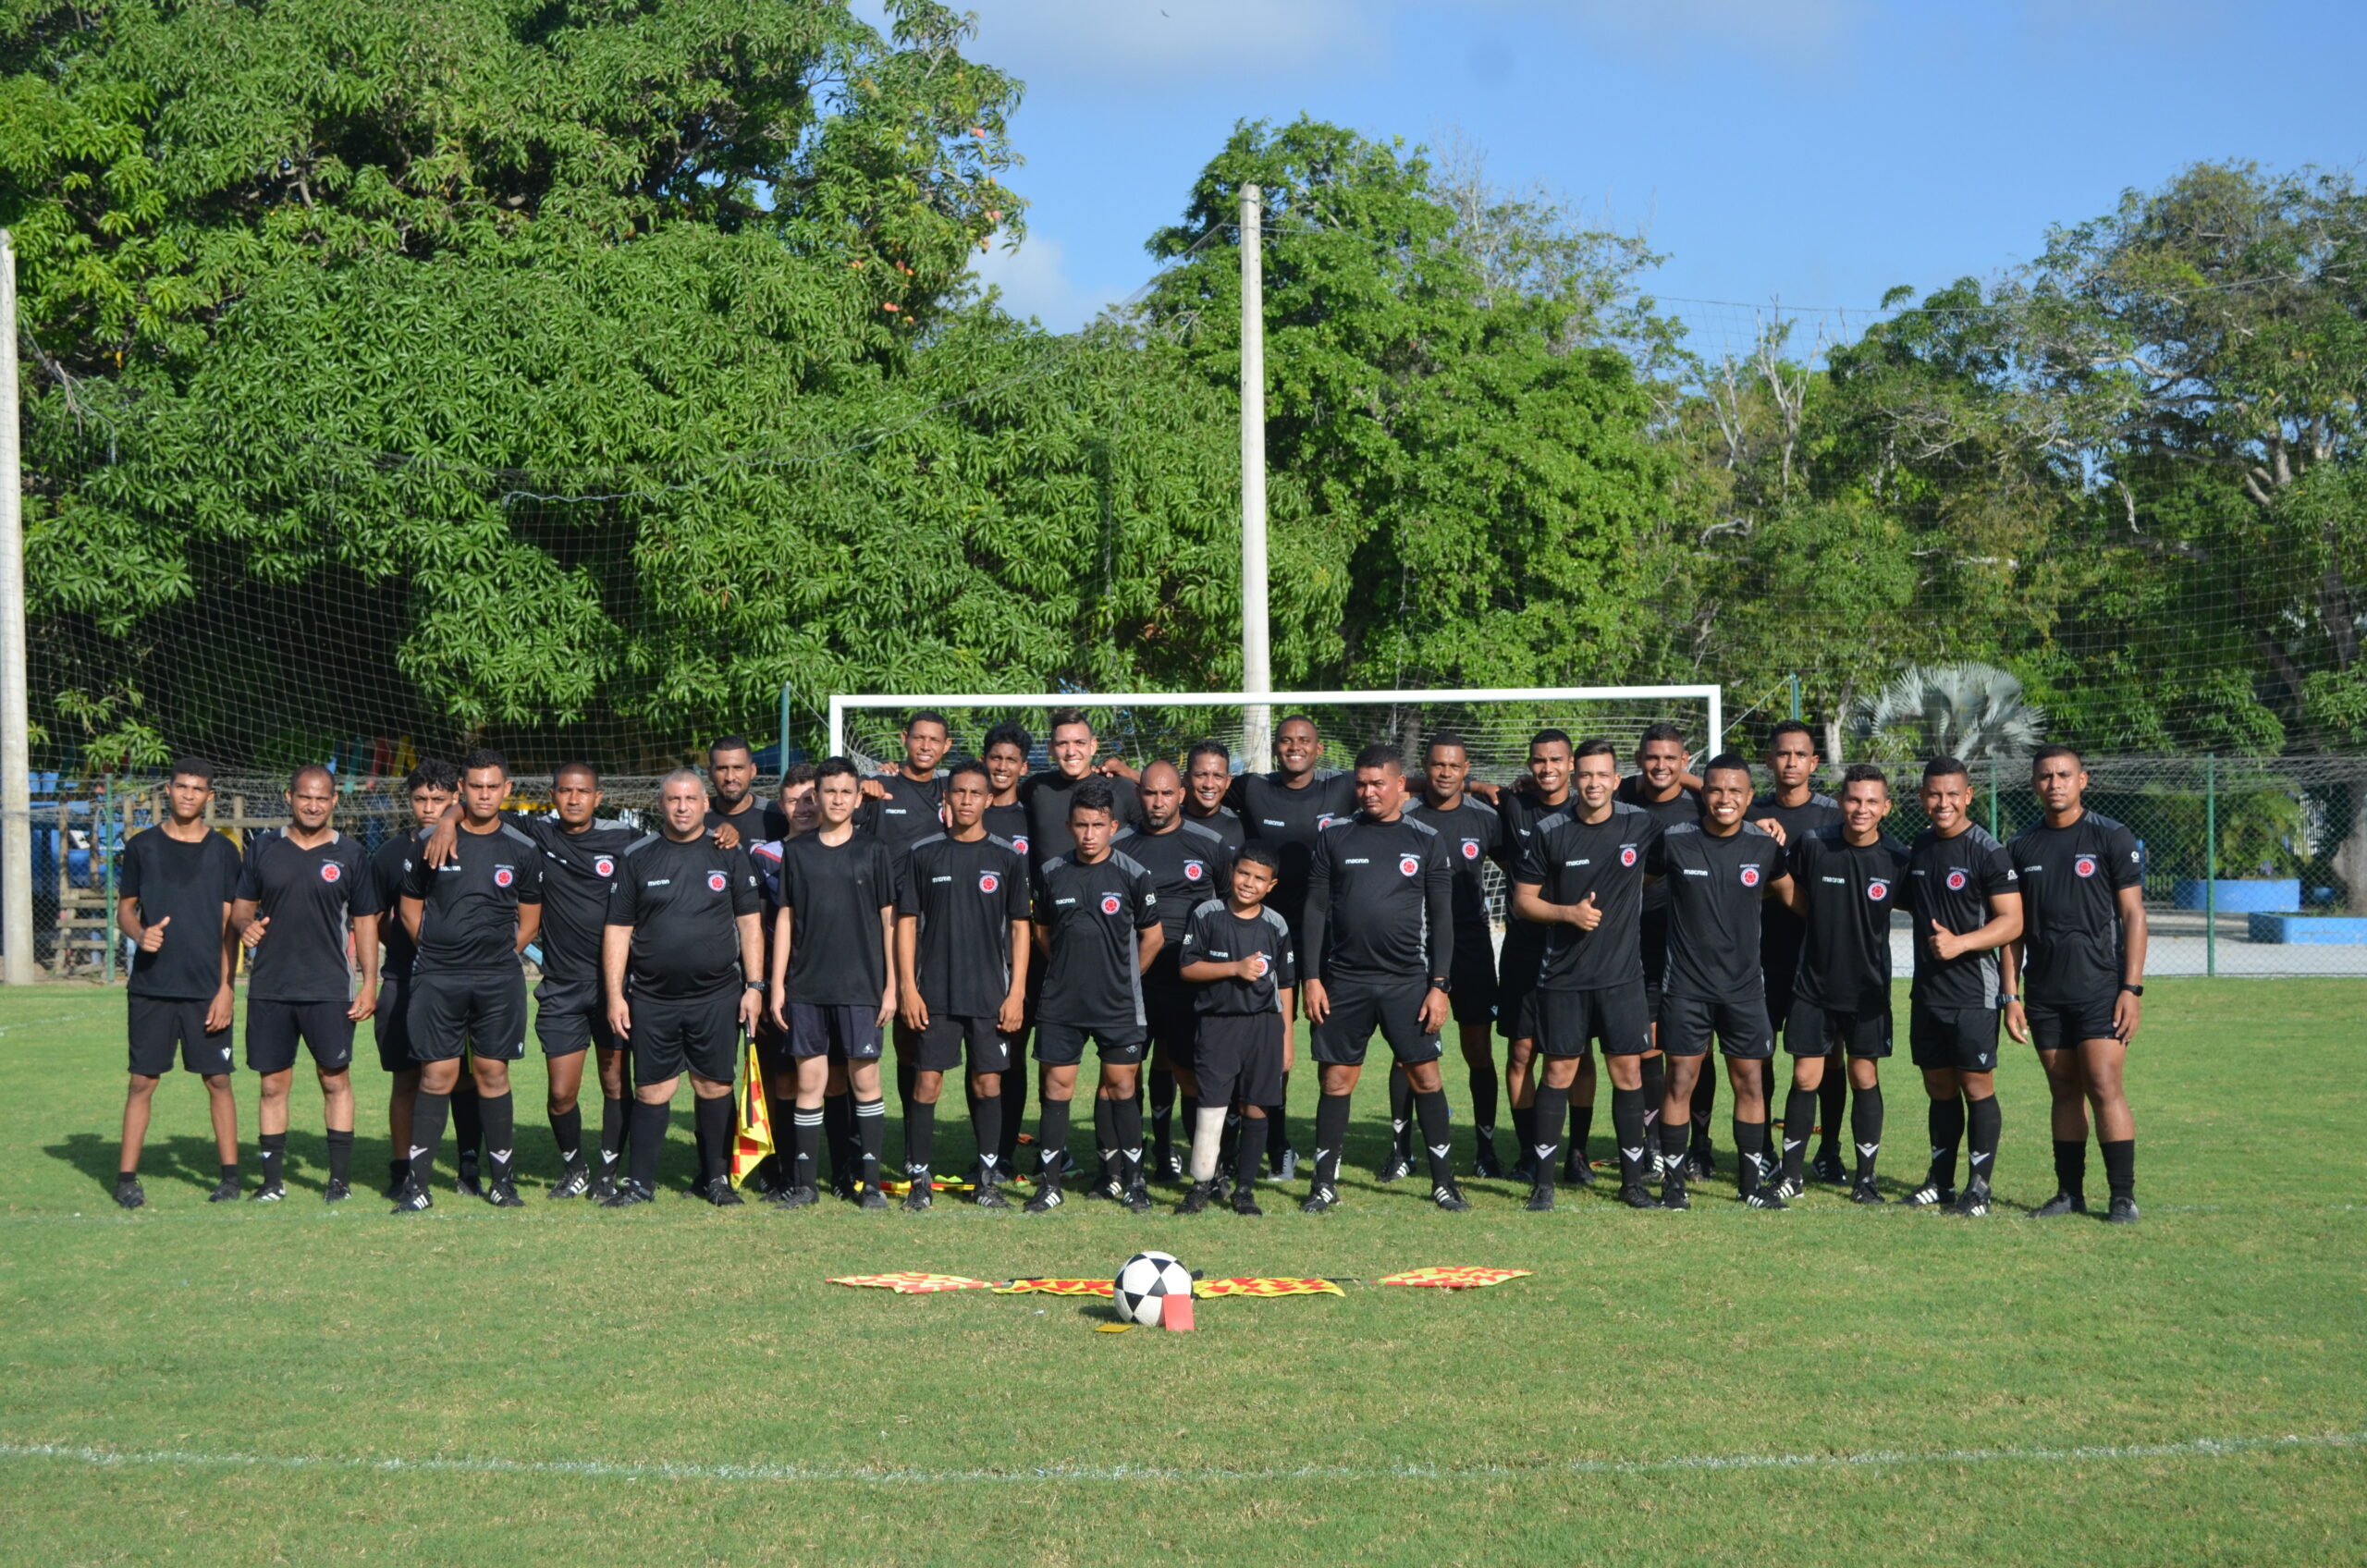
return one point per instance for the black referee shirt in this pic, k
(1474, 834)
(683, 900)
(757, 821)
(579, 870)
(1188, 866)
(2071, 932)
(389, 870)
(1952, 881)
(1291, 821)
(1009, 824)
(1091, 914)
(1681, 810)
(907, 815)
(1214, 934)
(1380, 904)
(310, 897)
(1223, 822)
(188, 884)
(1045, 797)
(1716, 887)
(1568, 859)
(1780, 931)
(834, 894)
(469, 906)
(1851, 890)
(964, 897)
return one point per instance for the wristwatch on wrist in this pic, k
(2006, 998)
(1440, 983)
(2134, 990)
(755, 985)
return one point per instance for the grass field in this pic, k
(194, 1384)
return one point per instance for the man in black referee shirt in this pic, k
(173, 903)
(834, 977)
(1475, 836)
(2080, 964)
(733, 802)
(678, 961)
(961, 950)
(1845, 880)
(1005, 755)
(1208, 780)
(1965, 902)
(1378, 952)
(303, 888)
(1718, 872)
(906, 803)
(1791, 811)
(1045, 794)
(1581, 879)
(430, 790)
(470, 918)
(1096, 921)
(1662, 785)
(1188, 863)
(1544, 791)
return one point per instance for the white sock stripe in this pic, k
(871, 1108)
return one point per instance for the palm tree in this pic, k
(1961, 710)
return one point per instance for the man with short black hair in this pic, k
(834, 977)
(733, 802)
(179, 874)
(1378, 953)
(1718, 872)
(429, 790)
(1662, 785)
(1044, 794)
(961, 952)
(1581, 879)
(1846, 878)
(1208, 780)
(312, 884)
(1005, 755)
(1475, 835)
(1791, 811)
(1188, 862)
(470, 918)
(1533, 800)
(906, 803)
(1966, 902)
(678, 966)
(1096, 921)
(2080, 964)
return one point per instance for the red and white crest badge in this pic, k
(1194, 870)
(1409, 866)
(603, 866)
(1956, 880)
(989, 882)
(1020, 843)
(1471, 849)
(1112, 903)
(1878, 890)
(1627, 854)
(717, 881)
(503, 876)
(2085, 865)
(1750, 876)
(331, 871)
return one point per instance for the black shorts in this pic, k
(1240, 1058)
(391, 1025)
(1812, 1030)
(818, 1030)
(158, 1025)
(1738, 1022)
(941, 1043)
(1474, 993)
(700, 1034)
(1779, 1002)
(272, 1028)
(1963, 1039)
(482, 1011)
(1518, 964)
(1063, 1045)
(2057, 1026)
(1358, 1007)
(573, 1020)
(1565, 1023)
(1174, 1025)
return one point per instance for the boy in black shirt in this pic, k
(312, 884)
(906, 804)
(962, 942)
(834, 977)
(2081, 963)
(1005, 755)
(1791, 811)
(1845, 880)
(1662, 786)
(469, 919)
(431, 787)
(679, 956)
(1475, 837)
(1719, 873)
(173, 902)
(1526, 805)
(1097, 922)
(1966, 902)
(1237, 954)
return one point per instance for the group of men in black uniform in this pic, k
(1178, 920)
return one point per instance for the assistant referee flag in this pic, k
(753, 1137)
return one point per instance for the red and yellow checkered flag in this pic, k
(1461, 1279)
(1057, 1288)
(754, 1139)
(914, 1284)
(1266, 1287)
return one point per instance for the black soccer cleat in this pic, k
(1219, 1188)
(1827, 1167)
(1764, 1198)
(1244, 1201)
(1047, 1199)
(2058, 1205)
(795, 1197)
(1396, 1168)
(2122, 1212)
(225, 1191)
(1865, 1192)
(1541, 1200)
(413, 1199)
(1523, 1168)
(338, 1191)
(871, 1196)
(1168, 1167)
(920, 1200)
(129, 1193)
(1485, 1166)
(502, 1193)
(1788, 1188)
(1450, 1198)
(629, 1193)
(1107, 1189)
(1578, 1171)
(988, 1196)
(1197, 1199)
(1701, 1160)
(466, 1183)
(272, 1190)
(573, 1183)
(1974, 1204)
(1673, 1192)
(1930, 1195)
(1638, 1197)
(1322, 1200)
(604, 1186)
(1135, 1199)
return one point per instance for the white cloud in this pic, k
(1116, 42)
(1035, 282)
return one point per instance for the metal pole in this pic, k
(1257, 667)
(784, 729)
(1992, 797)
(2211, 865)
(16, 712)
(1795, 695)
(103, 823)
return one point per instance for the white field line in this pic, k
(596, 1469)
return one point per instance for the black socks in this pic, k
(985, 1122)
(1655, 1071)
(340, 1153)
(1401, 1113)
(1438, 1139)
(1278, 1137)
(468, 1129)
(649, 1136)
(871, 1135)
(1627, 1126)
(2072, 1166)
(1751, 1155)
(804, 1146)
(499, 1114)
(1984, 1122)
(1127, 1141)
(1251, 1148)
(275, 1156)
(1545, 1114)
(427, 1115)
(1051, 1140)
(1162, 1115)
(2120, 1166)
(1014, 1110)
(615, 1116)
(1705, 1100)
(1832, 1096)
(1330, 1134)
(567, 1132)
(920, 1133)
(714, 1120)
(1799, 1115)
(1866, 1129)
(1947, 1132)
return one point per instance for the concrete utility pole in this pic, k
(1257, 664)
(16, 713)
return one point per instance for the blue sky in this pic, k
(1814, 151)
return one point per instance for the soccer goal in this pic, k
(1494, 723)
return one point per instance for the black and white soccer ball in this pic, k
(1144, 1282)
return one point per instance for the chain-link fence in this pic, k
(2254, 865)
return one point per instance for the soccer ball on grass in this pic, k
(1144, 1283)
